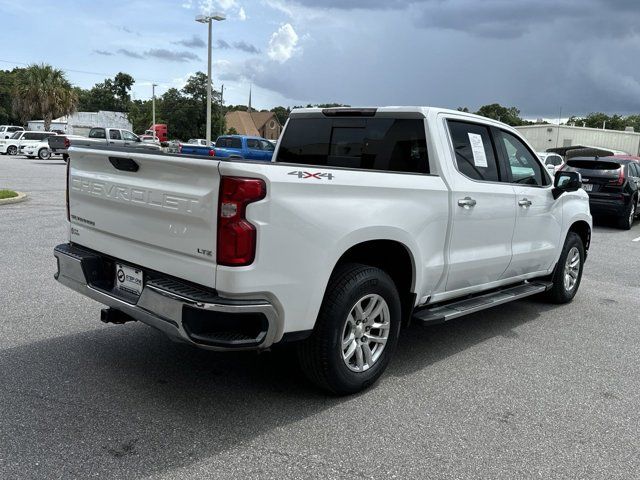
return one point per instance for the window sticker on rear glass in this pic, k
(477, 148)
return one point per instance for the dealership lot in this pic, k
(520, 391)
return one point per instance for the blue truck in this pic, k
(233, 147)
(244, 147)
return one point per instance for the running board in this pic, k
(449, 311)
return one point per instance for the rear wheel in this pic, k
(626, 220)
(356, 331)
(568, 273)
(44, 154)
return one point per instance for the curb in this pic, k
(22, 197)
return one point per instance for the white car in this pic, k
(552, 161)
(7, 130)
(40, 150)
(366, 219)
(20, 139)
(201, 142)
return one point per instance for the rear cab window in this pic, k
(372, 143)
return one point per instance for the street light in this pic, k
(218, 17)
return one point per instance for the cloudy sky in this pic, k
(539, 55)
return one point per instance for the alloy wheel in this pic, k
(365, 333)
(571, 269)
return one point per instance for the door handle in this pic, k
(525, 202)
(466, 202)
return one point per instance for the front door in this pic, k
(484, 212)
(539, 217)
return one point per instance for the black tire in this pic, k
(12, 150)
(30, 157)
(321, 355)
(625, 222)
(559, 293)
(65, 157)
(44, 154)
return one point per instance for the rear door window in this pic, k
(97, 133)
(474, 151)
(388, 144)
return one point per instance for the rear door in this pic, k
(536, 237)
(150, 210)
(483, 207)
(115, 138)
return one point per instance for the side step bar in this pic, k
(448, 311)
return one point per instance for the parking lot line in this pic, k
(636, 239)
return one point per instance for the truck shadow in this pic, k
(125, 401)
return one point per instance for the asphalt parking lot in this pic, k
(525, 390)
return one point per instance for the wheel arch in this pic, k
(391, 256)
(583, 230)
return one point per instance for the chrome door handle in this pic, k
(525, 202)
(466, 202)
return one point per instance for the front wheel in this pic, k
(356, 331)
(12, 150)
(568, 273)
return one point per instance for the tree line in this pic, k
(44, 92)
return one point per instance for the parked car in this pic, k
(40, 150)
(150, 139)
(115, 137)
(552, 161)
(22, 138)
(243, 147)
(6, 131)
(202, 142)
(613, 185)
(353, 230)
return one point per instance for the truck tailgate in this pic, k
(155, 211)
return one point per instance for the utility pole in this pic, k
(221, 121)
(153, 108)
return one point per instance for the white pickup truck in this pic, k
(366, 219)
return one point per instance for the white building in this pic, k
(552, 136)
(80, 123)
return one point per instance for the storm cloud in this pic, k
(542, 56)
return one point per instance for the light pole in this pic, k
(208, 19)
(153, 109)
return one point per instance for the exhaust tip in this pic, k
(112, 315)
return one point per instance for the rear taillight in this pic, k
(212, 152)
(179, 148)
(620, 180)
(67, 142)
(67, 195)
(236, 235)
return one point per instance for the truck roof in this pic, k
(392, 111)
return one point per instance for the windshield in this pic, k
(16, 135)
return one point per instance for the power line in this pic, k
(85, 72)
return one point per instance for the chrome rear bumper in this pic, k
(183, 311)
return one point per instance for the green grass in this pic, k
(7, 194)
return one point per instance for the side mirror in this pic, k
(566, 182)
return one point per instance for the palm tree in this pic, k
(43, 91)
